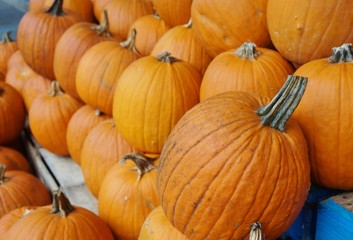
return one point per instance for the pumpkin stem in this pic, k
(189, 24)
(56, 8)
(143, 163)
(282, 106)
(130, 42)
(103, 28)
(61, 205)
(98, 113)
(6, 38)
(256, 231)
(343, 53)
(55, 89)
(248, 51)
(2, 173)
(156, 15)
(166, 57)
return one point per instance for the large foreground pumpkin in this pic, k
(232, 161)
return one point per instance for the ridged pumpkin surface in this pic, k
(14, 160)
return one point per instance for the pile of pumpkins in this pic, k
(190, 119)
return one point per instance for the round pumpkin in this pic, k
(247, 68)
(306, 30)
(12, 113)
(38, 34)
(160, 89)
(72, 46)
(157, 227)
(127, 195)
(325, 114)
(221, 25)
(79, 126)
(174, 13)
(14, 160)
(235, 160)
(25, 190)
(61, 220)
(7, 48)
(101, 149)
(49, 116)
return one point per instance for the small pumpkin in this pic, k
(7, 48)
(127, 195)
(14, 160)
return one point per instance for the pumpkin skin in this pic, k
(161, 90)
(98, 7)
(127, 197)
(227, 24)
(174, 13)
(102, 147)
(60, 221)
(14, 160)
(302, 31)
(324, 114)
(2, 77)
(25, 190)
(49, 116)
(247, 68)
(182, 43)
(38, 34)
(72, 46)
(215, 187)
(16, 60)
(79, 126)
(7, 48)
(12, 113)
(157, 226)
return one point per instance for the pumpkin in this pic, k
(72, 46)
(127, 195)
(79, 126)
(25, 190)
(174, 13)
(16, 60)
(227, 24)
(306, 30)
(18, 75)
(157, 226)
(325, 114)
(102, 147)
(122, 13)
(149, 29)
(49, 116)
(12, 113)
(182, 43)
(38, 34)
(7, 48)
(99, 70)
(233, 161)
(61, 220)
(98, 7)
(247, 68)
(160, 89)
(14, 160)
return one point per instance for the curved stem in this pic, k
(189, 24)
(2, 173)
(256, 231)
(103, 28)
(248, 51)
(130, 42)
(282, 106)
(61, 205)
(55, 89)
(166, 57)
(343, 53)
(143, 163)
(6, 38)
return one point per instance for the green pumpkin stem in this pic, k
(61, 205)
(166, 57)
(130, 42)
(55, 89)
(248, 51)
(189, 24)
(2, 173)
(56, 9)
(103, 28)
(282, 106)
(256, 231)
(6, 38)
(143, 163)
(343, 53)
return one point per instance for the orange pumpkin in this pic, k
(72, 46)
(174, 13)
(325, 115)
(128, 194)
(247, 68)
(25, 190)
(157, 227)
(14, 160)
(160, 89)
(49, 116)
(101, 149)
(18, 75)
(12, 113)
(236, 160)
(61, 220)
(227, 24)
(79, 126)
(7, 48)
(38, 34)
(98, 7)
